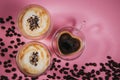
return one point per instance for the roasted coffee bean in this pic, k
(13, 69)
(12, 41)
(3, 27)
(67, 64)
(7, 71)
(1, 39)
(12, 22)
(0, 62)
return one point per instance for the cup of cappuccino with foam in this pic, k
(34, 22)
(33, 59)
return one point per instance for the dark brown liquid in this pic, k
(68, 44)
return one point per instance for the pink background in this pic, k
(101, 30)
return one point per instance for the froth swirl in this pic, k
(24, 59)
(43, 23)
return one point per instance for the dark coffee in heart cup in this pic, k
(68, 43)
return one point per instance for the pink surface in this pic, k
(101, 29)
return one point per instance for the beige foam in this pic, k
(24, 61)
(44, 20)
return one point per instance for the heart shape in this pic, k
(68, 43)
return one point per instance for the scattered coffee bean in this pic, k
(7, 71)
(83, 67)
(15, 46)
(3, 27)
(20, 78)
(58, 66)
(2, 20)
(10, 17)
(1, 39)
(10, 47)
(26, 78)
(2, 54)
(14, 52)
(12, 22)
(11, 56)
(58, 77)
(3, 77)
(13, 69)
(0, 62)
(12, 41)
(67, 64)
(2, 43)
(9, 65)
(18, 39)
(18, 35)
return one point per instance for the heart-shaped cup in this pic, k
(68, 43)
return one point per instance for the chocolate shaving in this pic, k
(34, 58)
(33, 22)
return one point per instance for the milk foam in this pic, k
(43, 60)
(44, 21)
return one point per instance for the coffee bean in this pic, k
(3, 77)
(2, 43)
(11, 55)
(15, 46)
(13, 27)
(65, 72)
(18, 39)
(75, 65)
(18, 35)
(7, 19)
(0, 62)
(22, 43)
(1, 39)
(54, 59)
(94, 78)
(9, 65)
(109, 57)
(83, 67)
(12, 41)
(26, 78)
(67, 64)
(97, 72)
(56, 69)
(58, 77)
(9, 61)
(10, 47)
(2, 20)
(15, 75)
(14, 52)
(100, 78)
(58, 61)
(2, 54)
(58, 66)
(5, 50)
(92, 71)
(13, 69)
(3, 27)
(12, 22)
(20, 77)
(10, 17)
(7, 71)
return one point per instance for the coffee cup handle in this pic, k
(81, 25)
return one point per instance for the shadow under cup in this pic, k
(68, 43)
